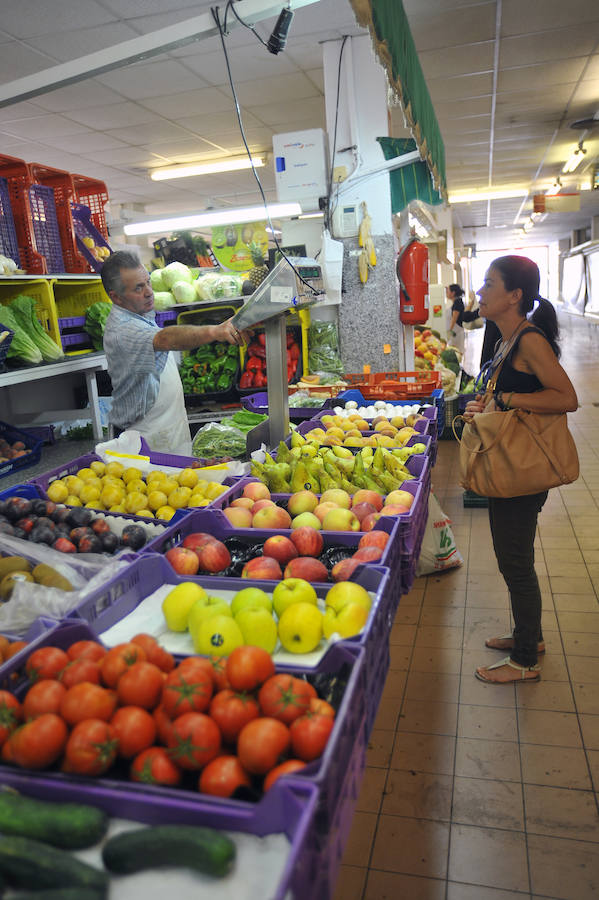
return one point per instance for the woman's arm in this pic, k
(454, 318)
(558, 394)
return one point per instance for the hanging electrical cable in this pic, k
(329, 210)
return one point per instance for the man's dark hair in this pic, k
(111, 270)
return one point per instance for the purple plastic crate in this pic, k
(43, 433)
(258, 403)
(12, 671)
(5, 345)
(9, 245)
(11, 434)
(45, 226)
(84, 227)
(422, 426)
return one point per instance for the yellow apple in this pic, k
(346, 623)
(177, 604)
(345, 592)
(300, 628)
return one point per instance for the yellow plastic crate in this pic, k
(40, 290)
(209, 315)
(72, 298)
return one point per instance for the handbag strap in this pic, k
(492, 383)
(506, 419)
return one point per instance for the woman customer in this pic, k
(530, 378)
(459, 315)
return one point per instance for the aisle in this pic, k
(481, 792)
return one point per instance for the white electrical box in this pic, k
(346, 220)
(301, 169)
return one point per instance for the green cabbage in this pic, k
(23, 308)
(184, 292)
(21, 346)
(163, 300)
(157, 280)
(175, 272)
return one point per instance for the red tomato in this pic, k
(13, 649)
(321, 706)
(91, 748)
(135, 730)
(82, 669)
(154, 652)
(287, 768)
(87, 701)
(261, 744)
(46, 662)
(141, 685)
(285, 697)
(223, 776)
(187, 690)
(154, 766)
(87, 650)
(196, 662)
(164, 724)
(118, 660)
(248, 667)
(11, 714)
(195, 740)
(219, 671)
(309, 735)
(4, 645)
(39, 743)
(43, 697)
(232, 711)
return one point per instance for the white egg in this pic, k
(338, 410)
(351, 404)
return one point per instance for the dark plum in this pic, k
(61, 514)
(26, 524)
(110, 542)
(41, 534)
(46, 522)
(134, 537)
(79, 516)
(100, 526)
(17, 508)
(64, 545)
(91, 544)
(43, 507)
(76, 534)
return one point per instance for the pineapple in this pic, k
(260, 270)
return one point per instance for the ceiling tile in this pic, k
(540, 76)
(43, 126)
(463, 25)
(128, 9)
(461, 109)
(30, 17)
(205, 101)
(115, 115)
(247, 63)
(266, 90)
(150, 133)
(282, 113)
(546, 46)
(17, 61)
(462, 60)
(592, 70)
(521, 18)
(216, 123)
(82, 143)
(66, 45)
(128, 156)
(24, 110)
(462, 87)
(84, 95)
(158, 78)
(588, 92)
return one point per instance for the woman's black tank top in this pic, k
(510, 379)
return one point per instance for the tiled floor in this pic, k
(485, 792)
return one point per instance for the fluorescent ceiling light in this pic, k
(209, 168)
(314, 215)
(488, 195)
(215, 217)
(575, 159)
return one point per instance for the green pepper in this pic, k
(223, 383)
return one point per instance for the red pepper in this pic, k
(259, 379)
(262, 339)
(290, 338)
(246, 380)
(254, 364)
(295, 351)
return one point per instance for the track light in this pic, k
(278, 38)
(575, 159)
(209, 168)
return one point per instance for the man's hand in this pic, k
(228, 332)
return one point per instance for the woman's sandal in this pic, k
(483, 672)
(506, 642)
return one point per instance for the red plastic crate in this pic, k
(92, 193)
(19, 181)
(64, 193)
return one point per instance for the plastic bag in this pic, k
(439, 551)
(216, 440)
(323, 356)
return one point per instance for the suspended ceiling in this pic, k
(506, 78)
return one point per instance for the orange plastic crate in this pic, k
(395, 385)
(19, 181)
(64, 193)
(92, 193)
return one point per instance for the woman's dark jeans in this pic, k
(513, 523)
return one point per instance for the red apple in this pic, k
(195, 540)
(368, 523)
(238, 516)
(255, 490)
(394, 510)
(337, 496)
(243, 502)
(183, 560)
(309, 541)
(374, 539)
(323, 508)
(361, 510)
(302, 501)
(340, 520)
(366, 496)
(280, 548)
(213, 556)
(308, 568)
(368, 554)
(262, 568)
(260, 504)
(400, 498)
(271, 517)
(344, 569)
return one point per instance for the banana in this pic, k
(395, 468)
(363, 266)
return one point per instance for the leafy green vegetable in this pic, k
(95, 322)
(21, 347)
(23, 308)
(217, 440)
(450, 360)
(244, 420)
(163, 300)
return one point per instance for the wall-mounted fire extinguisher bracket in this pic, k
(413, 274)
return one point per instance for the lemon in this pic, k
(88, 493)
(117, 508)
(155, 475)
(136, 485)
(73, 501)
(213, 490)
(94, 504)
(156, 499)
(188, 478)
(179, 497)
(145, 512)
(57, 491)
(169, 485)
(134, 502)
(86, 473)
(195, 500)
(115, 468)
(98, 467)
(132, 474)
(111, 495)
(200, 486)
(165, 512)
(177, 604)
(74, 484)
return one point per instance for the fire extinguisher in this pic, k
(412, 272)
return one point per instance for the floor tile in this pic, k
(586, 697)
(452, 616)
(561, 812)
(411, 846)
(407, 614)
(441, 688)
(449, 598)
(428, 717)
(488, 856)
(380, 745)
(564, 767)
(590, 731)
(593, 758)
(491, 599)
(372, 790)
(493, 804)
(403, 635)
(580, 643)
(549, 728)
(477, 693)
(584, 669)
(476, 892)
(553, 695)
(388, 713)
(395, 684)
(566, 869)
(392, 886)
(497, 760)
(400, 657)
(484, 722)
(575, 602)
(360, 840)
(350, 883)
(424, 753)
(420, 795)
(435, 636)
(431, 659)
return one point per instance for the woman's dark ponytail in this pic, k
(544, 317)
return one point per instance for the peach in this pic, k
(243, 502)
(260, 504)
(302, 501)
(399, 497)
(337, 496)
(323, 508)
(394, 509)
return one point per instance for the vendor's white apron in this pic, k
(457, 341)
(165, 426)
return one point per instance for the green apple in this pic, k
(345, 592)
(218, 636)
(346, 623)
(292, 590)
(306, 518)
(300, 628)
(251, 596)
(258, 628)
(205, 608)
(177, 604)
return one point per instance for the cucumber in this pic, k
(71, 826)
(193, 847)
(31, 864)
(62, 894)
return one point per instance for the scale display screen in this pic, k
(309, 271)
